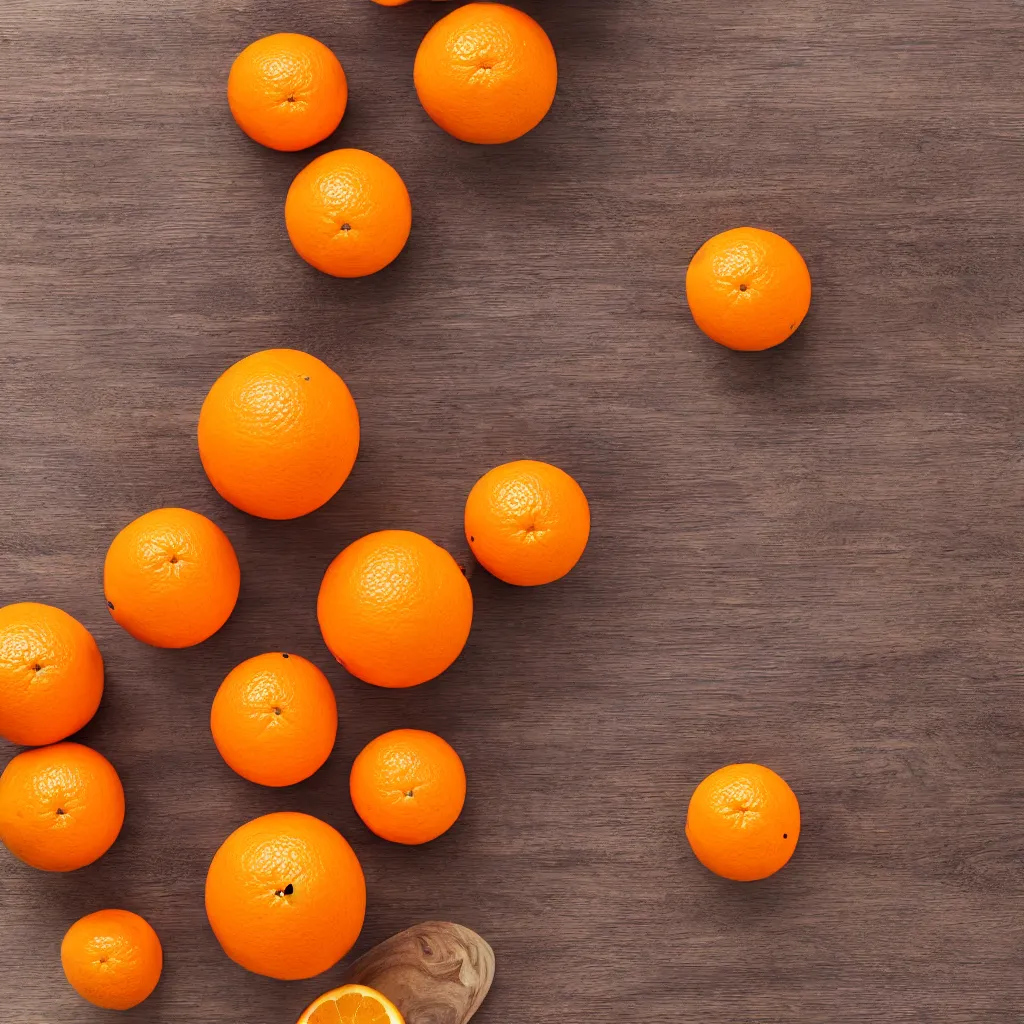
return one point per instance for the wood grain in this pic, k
(811, 559)
(435, 973)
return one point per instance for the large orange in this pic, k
(51, 674)
(61, 807)
(275, 719)
(486, 73)
(353, 1004)
(171, 578)
(527, 522)
(748, 289)
(112, 959)
(408, 786)
(348, 213)
(395, 609)
(285, 896)
(743, 822)
(287, 91)
(278, 433)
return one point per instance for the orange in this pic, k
(275, 719)
(171, 578)
(352, 1004)
(748, 289)
(348, 213)
(743, 822)
(51, 674)
(285, 896)
(61, 807)
(112, 959)
(486, 73)
(408, 786)
(287, 91)
(395, 609)
(278, 433)
(527, 522)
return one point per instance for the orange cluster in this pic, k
(486, 73)
(278, 434)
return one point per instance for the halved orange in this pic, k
(352, 1004)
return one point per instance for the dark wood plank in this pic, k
(809, 558)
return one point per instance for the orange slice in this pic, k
(352, 1004)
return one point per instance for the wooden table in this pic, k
(809, 558)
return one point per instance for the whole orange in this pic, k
(275, 719)
(486, 73)
(743, 822)
(408, 786)
(51, 674)
(287, 91)
(527, 522)
(748, 289)
(112, 959)
(278, 433)
(171, 578)
(395, 609)
(285, 896)
(61, 807)
(348, 213)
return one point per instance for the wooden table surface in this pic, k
(809, 558)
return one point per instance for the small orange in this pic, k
(408, 786)
(171, 578)
(348, 213)
(527, 522)
(748, 289)
(51, 674)
(278, 433)
(287, 91)
(352, 1004)
(275, 719)
(112, 959)
(61, 807)
(743, 822)
(486, 73)
(395, 609)
(285, 896)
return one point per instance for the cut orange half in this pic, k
(352, 1004)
